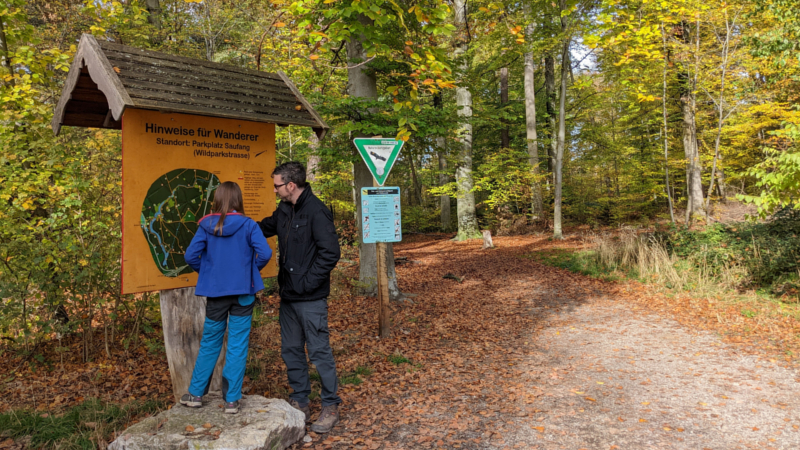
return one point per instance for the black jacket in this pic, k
(308, 247)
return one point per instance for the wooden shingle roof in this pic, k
(105, 78)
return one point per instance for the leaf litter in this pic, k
(516, 355)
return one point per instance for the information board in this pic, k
(171, 167)
(380, 214)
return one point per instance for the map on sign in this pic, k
(380, 215)
(379, 155)
(173, 205)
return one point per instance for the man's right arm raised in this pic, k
(269, 226)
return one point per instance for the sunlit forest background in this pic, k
(518, 116)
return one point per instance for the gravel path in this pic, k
(611, 377)
(514, 354)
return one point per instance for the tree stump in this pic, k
(182, 318)
(487, 239)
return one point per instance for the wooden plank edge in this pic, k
(103, 74)
(305, 103)
(66, 92)
(154, 105)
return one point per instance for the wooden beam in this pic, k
(104, 75)
(216, 112)
(320, 123)
(66, 92)
(84, 120)
(193, 100)
(89, 95)
(244, 101)
(108, 120)
(81, 107)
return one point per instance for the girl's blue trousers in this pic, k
(236, 313)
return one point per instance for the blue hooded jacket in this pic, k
(228, 264)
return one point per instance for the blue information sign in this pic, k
(380, 214)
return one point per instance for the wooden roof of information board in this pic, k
(105, 78)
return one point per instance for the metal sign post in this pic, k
(380, 214)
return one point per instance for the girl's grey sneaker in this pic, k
(232, 407)
(191, 401)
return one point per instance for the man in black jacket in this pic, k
(309, 250)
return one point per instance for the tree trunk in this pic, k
(362, 84)
(565, 63)
(154, 13)
(694, 182)
(444, 200)
(666, 129)
(722, 190)
(550, 103)
(182, 318)
(5, 61)
(725, 54)
(313, 159)
(417, 188)
(537, 209)
(504, 137)
(467, 217)
(694, 186)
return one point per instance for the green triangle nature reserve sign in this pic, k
(380, 155)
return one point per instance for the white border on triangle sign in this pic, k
(379, 154)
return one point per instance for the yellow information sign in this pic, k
(171, 166)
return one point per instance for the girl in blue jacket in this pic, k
(228, 250)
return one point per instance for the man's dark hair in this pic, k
(292, 172)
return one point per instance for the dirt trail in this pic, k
(615, 377)
(520, 355)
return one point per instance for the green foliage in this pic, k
(761, 256)
(80, 427)
(778, 175)
(420, 219)
(584, 262)
(397, 359)
(768, 251)
(506, 177)
(355, 377)
(60, 196)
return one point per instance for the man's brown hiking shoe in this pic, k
(304, 409)
(327, 419)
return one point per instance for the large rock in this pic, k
(262, 423)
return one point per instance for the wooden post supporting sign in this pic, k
(384, 313)
(182, 316)
(380, 215)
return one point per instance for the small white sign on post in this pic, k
(380, 215)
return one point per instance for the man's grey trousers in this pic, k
(305, 325)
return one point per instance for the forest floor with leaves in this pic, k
(503, 353)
